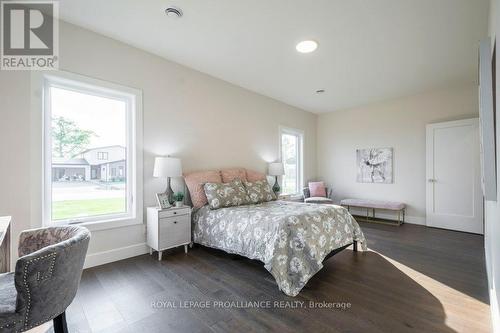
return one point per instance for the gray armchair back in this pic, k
(47, 274)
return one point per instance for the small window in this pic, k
(80, 121)
(291, 143)
(102, 156)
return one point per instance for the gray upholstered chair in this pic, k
(46, 279)
(317, 200)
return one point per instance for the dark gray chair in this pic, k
(46, 279)
(317, 200)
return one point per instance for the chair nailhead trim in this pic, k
(40, 277)
(10, 324)
(51, 269)
(25, 281)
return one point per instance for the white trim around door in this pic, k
(454, 198)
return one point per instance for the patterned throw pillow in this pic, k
(228, 175)
(253, 176)
(226, 194)
(259, 191)
(194, 182)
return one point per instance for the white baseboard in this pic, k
(495, 311)
(389, 216)
(105, 257)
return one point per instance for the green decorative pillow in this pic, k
(222, 195)
(259, 191)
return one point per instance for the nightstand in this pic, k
(168, 228)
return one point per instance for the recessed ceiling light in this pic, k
(320, 91)
(173, 12)
(306, 46)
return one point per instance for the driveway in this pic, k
(62, 191)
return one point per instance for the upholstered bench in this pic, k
(398, 207)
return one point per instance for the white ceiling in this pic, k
(369, 50)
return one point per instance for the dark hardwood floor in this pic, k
(414, 279)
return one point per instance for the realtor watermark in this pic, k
(263, 304)
(30, 35)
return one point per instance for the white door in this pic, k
(454, 196)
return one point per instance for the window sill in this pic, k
(106, 224)
(291, 197)
(110, 224)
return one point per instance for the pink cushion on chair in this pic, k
(317, 189)
(228, 175)
(195, 181)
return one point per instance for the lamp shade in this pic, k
(167, 167)
(276, 169)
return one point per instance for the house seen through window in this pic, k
(88, 161)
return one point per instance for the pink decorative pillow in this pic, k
(253, 176)
(228, 175)
(317, 189)
(194, 182)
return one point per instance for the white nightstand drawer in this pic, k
(173, 212)
(174, 231)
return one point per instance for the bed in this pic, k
(292, 239)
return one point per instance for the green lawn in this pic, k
(62, 210)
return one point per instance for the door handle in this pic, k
(431, 180)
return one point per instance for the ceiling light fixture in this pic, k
(173, 12)
(306, 46)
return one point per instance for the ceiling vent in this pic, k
(173, 12)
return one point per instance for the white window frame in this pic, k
(133, 99)
(300, 154)
(101, 154)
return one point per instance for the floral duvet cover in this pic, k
(292, 239)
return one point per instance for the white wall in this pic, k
(399, 124)
(206, 122)
(492, 214)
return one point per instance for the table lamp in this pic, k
(168, 167)
(276, 169)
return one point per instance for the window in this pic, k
(81, 154)
(291, 142)
(103, 156)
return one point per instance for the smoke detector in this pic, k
(173, 12)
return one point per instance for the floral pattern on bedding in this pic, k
(259, 191)
(290, 238)
(221, 195)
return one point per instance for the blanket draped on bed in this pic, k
(290, 238)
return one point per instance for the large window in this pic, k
(89, 152)
(291, 141)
